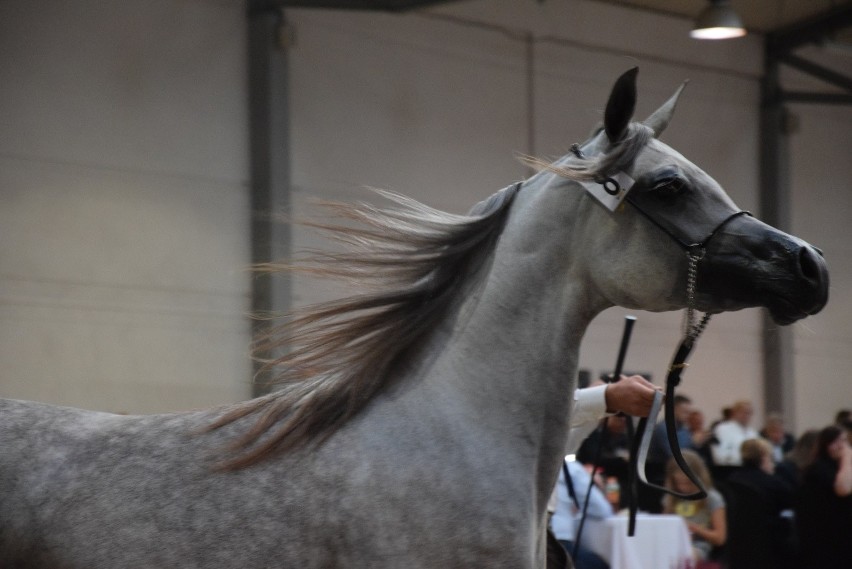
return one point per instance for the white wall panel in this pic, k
(123, 204)
(158, 85)
(822, 207)
(404, 103)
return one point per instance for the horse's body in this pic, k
(451, 462)
(92, 490)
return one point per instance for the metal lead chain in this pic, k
(691, 330)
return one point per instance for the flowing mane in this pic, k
(410, 261)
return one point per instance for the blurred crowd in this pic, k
(775, 499)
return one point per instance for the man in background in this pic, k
(731, 434)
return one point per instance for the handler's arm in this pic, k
(632, 395)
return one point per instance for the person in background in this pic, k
(695, 423)
(705, 518)
(824, 503)
(759, 472)
(730, 435)
(609, 447)
(632, 395)
(725, 415)
(843, 419)
(773, 431)
(659, 453)
(659, 441)
(792, 468)
(570, 498)
(759, 536)
(702, 437)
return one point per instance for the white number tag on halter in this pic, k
(612, 192)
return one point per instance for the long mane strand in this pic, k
(335, 356)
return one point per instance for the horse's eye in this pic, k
(669, 186)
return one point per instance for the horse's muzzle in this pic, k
(812, 284)
(750, 263)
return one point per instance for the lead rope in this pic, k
(642, 441)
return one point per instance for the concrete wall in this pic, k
(123, 203)
(822, 205)
(123, 175)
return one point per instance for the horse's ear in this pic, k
(659, 120)
(620, 106)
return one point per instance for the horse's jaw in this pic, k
(751, 264)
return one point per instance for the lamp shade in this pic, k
(718, 21)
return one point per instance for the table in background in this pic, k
(660, 542)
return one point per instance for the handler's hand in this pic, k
(630, 395)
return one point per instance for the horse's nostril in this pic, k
(809, 263)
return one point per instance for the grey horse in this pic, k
(421, 422)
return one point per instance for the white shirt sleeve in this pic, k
(589, 408)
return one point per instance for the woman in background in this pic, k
(759, 536)
(705, 518)
(824, 504)
(792, 468)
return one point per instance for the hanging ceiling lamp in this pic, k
(718, 21)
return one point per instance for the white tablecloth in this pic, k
(661, 542)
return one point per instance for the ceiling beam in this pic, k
(816, 70)
(816, 98)
(811, 30)
(368, 5)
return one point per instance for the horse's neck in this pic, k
(518, 334)
(534, 305)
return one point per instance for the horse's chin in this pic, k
(784, 312)
(785, 318)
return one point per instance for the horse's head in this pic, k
(675, 210)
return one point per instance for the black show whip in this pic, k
(629, 321)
